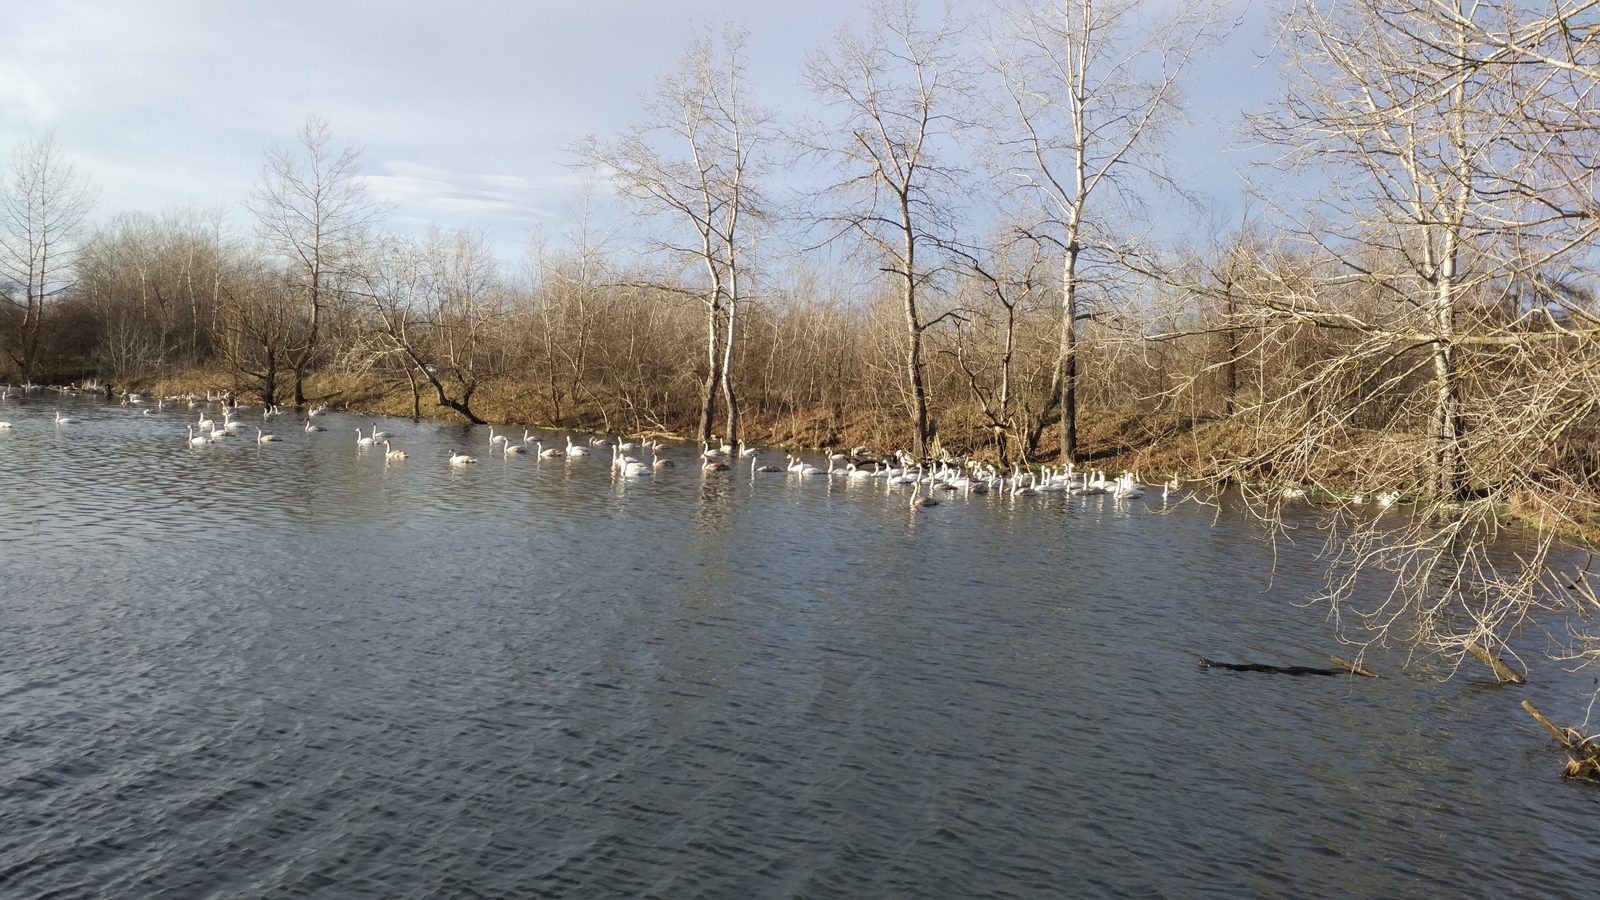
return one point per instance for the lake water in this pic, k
(295, 670)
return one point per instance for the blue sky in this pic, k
(466, 110)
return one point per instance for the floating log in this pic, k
(1353, 668)
(1583, 754)
(1274, 670)
(1502, 672)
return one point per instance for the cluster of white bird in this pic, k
(533, 445)
(971, 477)
(859, 465)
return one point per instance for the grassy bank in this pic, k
(1155, 444)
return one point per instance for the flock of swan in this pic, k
(638, 459)
(627, 456)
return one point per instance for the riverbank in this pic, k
(1158, 445)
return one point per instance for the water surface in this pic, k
(295, 670)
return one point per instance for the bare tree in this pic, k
(43, 203)
(312, 211)
(1009, 277)
(255, 330)
(1445, 297)
(900, 94)
(572, 293)
(154, 283)
(441, 307)
(698, 159)
(1093, 87)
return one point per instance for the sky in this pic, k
(466, 110)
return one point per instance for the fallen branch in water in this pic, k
(1274, 670)
(1353, 668)
(1583, 753)
(1502, 672)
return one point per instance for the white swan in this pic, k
(310, 428)
(497, 438)
(66, 420)
(574, 449)
(392, 454)
(1127, 488)
(514, 448)
(923, 501)
(262, 438)
(197, 441)
(460, 459)
(363, 440)
(551, 453)
(379, 435)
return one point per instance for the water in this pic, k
(293, 670)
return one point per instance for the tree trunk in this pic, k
(269, 383)
(728, 395)
(919, 392)
(1067, 362)
(1449, 475)
(708, 393)
(1231, 366)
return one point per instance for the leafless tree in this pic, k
(1445, 289)
(255, 329)
(572, 291)
(989, 342)
(1092, 88)
(313, 211)
(43, 203)
(440, 306)
(698, 160)
(154, 283)
(900, 95)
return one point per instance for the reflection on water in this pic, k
(294, 669)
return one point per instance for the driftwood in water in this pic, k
(1275, 670)
(1346, 667)
(1352, 668)
(1502, 672)
(1583, 753)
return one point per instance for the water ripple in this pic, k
(296, 670)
